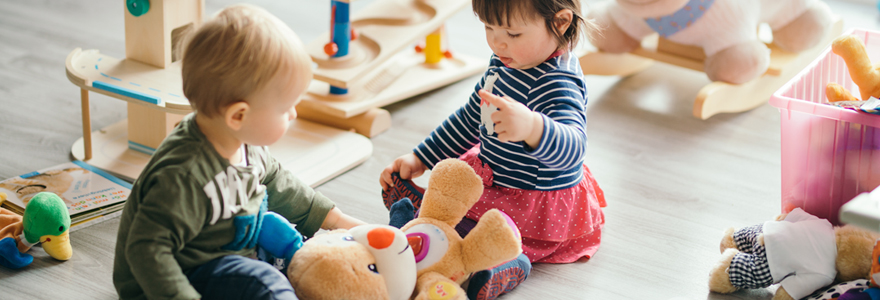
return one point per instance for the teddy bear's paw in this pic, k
(806, 30)
(781, 294)
(727, 241)
(610, 37)
(442, 290)
(739, 63)
(719, 280)
(614, 40)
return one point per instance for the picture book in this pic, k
(87, 191)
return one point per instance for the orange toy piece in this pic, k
(863, 73)
(835, 92)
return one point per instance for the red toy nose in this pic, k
(380, 238)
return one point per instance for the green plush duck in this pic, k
(46, 220)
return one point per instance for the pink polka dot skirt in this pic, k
(558, 226)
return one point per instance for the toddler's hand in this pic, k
(514, 121)
(408, 165)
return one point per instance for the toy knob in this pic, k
(354, 34)
(331, 49)
(447, 54)
(419, 49)
(137, 7)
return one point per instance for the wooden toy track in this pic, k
(716, 97)
(314, 152)
(382, 67)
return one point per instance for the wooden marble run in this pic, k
(716, 97)
(149, 80)
(367, 61)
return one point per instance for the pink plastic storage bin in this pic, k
(829, 154)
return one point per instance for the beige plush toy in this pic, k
(798, 250)
(725, 29)
(327, 267)
(366, 262)
(863, 73)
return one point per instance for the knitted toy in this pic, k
(798, 250)
(46, 220)
(865, 75)
(328, 268)
(725, 29)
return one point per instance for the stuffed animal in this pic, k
(341, 265)
(366, 262)
(865, 75)
(46, 220)
(725, 29)
(444, 259)
(798, 250)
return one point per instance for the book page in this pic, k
(81, 186)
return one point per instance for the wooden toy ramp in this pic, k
(716, 97)
(314, 152)
(382, 67)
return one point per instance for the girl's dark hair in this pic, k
(500, 12)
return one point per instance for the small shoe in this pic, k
(489, 284)
(402, 189)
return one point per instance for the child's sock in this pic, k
(403, 189)
(401, 212)
(489, 284)
(10, 257)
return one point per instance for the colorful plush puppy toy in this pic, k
(725, 29)
(442, 259)
(366, 262)
(46, 220)
(798, 250)
(865, 75)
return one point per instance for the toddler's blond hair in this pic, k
(235, 54)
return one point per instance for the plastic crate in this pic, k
(829, 154)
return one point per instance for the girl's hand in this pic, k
(408, 165)
(514, 121)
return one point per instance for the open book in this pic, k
(87, 191)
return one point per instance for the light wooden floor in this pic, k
(673, 183)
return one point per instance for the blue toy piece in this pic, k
(279, 237)
(137, 7)
(10, 257)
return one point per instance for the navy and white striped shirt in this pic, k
(557, 90)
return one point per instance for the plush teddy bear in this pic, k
(444, 259)
(366, 262)
(725, 29)
(327, 267)
(865, 75)
(798, 250)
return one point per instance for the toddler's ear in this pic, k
(563, 20)
(235, 114)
